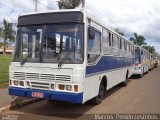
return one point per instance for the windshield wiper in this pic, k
(66, 56)
(63, 60)
(68, 53)
(26, 58)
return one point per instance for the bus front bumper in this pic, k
(49, 95)
(137, 72)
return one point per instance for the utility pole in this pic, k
(36, 2)
(83, 4)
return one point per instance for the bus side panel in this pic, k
(114, 68)
(114, 77)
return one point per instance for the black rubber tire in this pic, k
(98, 99)
(141, 75)
(124, 83)
(147, 71)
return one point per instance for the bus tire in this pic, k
(98, 99)
(147, 70)
(141, 75)
(124, 83)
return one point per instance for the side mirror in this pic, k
(91, 32)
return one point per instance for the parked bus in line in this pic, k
(155, 60)
(70, 57)
(152, 61)
(142, 63)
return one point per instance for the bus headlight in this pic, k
(66, 87)
(52, 86)
(69, 87)
(21, 83)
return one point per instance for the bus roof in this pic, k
(52, 11)
(89, 15)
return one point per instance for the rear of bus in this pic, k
(141, 63)
(151, 61)
(137, 62)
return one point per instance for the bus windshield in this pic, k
(137, 56)
(50, 43)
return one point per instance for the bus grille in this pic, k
(19, 75)
(38, 85)
(41, 77)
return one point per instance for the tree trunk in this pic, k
(4, 47)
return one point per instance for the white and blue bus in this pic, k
(142, 62)
(67, 55)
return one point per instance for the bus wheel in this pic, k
(147, 70)
(124, 83)
(98, 99)
(141, 75)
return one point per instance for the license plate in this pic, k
(37, 94)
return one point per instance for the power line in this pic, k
(36, 5)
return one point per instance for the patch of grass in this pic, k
(4, 69)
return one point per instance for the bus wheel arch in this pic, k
(125, 82)
(101, 92)
(142, 70)
(127, 74)
(104, 81)
(147, 69)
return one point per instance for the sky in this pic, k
(140, 16)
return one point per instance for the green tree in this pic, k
(119, 32)
(138, 39)
(1, 34)
(7, 34)
(151, 49)
(69, 4)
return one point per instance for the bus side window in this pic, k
(115, 41)
(106, 42)
(105, 38)
(125, 45)
(126, 48)
(133, 49)
(129, 48)
(110, 39)
(120, 43)
(94, 47)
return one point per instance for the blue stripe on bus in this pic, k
(109, 63)
(50, 95)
